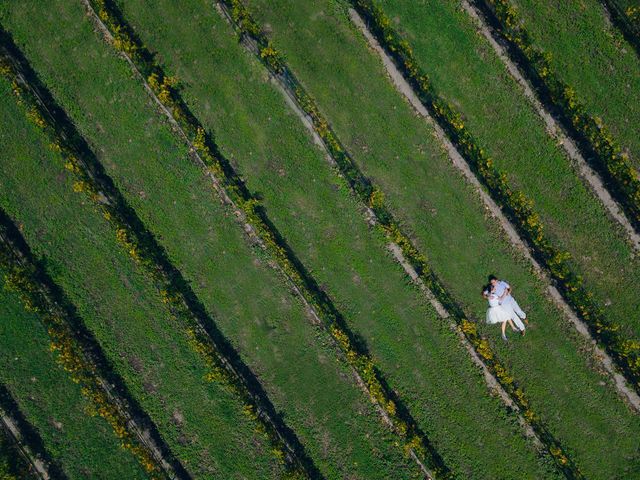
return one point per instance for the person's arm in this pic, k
(507, 291)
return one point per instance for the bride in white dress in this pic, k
(496, 313)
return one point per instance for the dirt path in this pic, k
(555, 130)
(628, 394)
(11, 427)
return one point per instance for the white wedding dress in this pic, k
(513, 315)
(496, 313)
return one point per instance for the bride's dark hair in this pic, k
(486, 289)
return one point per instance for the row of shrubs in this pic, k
(373, 197)
(23, 276)
(203, 144)
(633, 14)
(224, 363)
(519, 208)
(627, 20)
(591, 134)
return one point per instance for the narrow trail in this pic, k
(629, 395)
(556, 131)
(303, 292)
(13, 429)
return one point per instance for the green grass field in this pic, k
(362, 288)
(240, 286)
(175, 200)
(507, 127)
(122, 309)
(398, 151)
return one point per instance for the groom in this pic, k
(503, 291)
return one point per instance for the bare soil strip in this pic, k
(628, 394)
(26, 439)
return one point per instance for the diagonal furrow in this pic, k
(256, 223)
(624, 351)
(224, 362)
(627, 21)
(81, 356)
(26, 440)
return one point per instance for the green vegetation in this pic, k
(168, 224)
(495, 113)
(373, 198)
(121, 309)
(84, 445)
(516, 204)
(185, 309)
(204, 240)
(362, 278)
(396, 150)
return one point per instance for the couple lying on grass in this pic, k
(503, 308)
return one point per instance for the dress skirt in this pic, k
(497, 314)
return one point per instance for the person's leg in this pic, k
(518, 310)
(514, 317)
(518, 323)
(504, 332)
